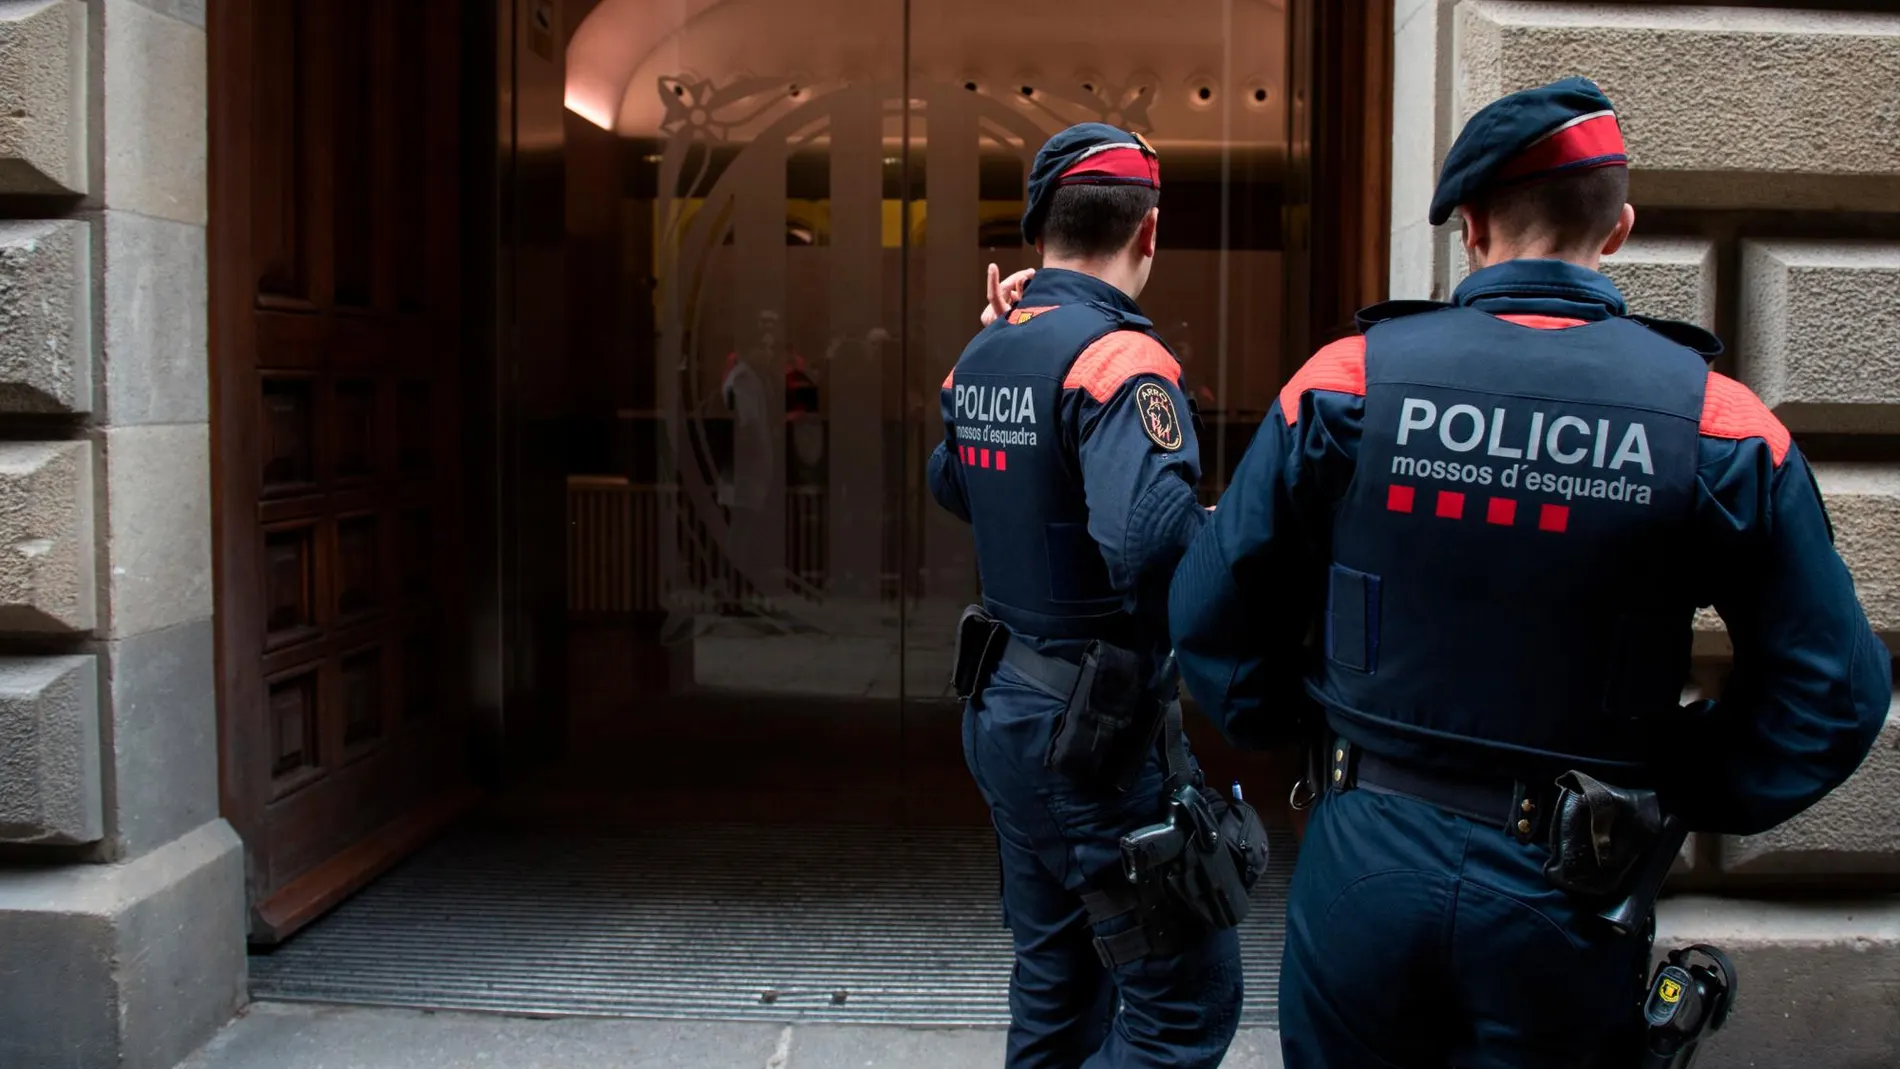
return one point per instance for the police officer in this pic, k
(1502, 512)
(1067, 450)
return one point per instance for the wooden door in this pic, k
(335, 355)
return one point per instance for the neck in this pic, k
(1497, 254)
(1114, 270)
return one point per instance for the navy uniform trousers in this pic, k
(1418, 939)
(1177, 1010)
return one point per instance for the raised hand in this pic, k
(1004, 293)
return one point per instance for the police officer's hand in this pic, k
(1004, 293)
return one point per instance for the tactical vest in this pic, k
(1042, 573)
(1508, 587)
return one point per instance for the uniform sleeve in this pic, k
(944, 472)
(1139, 457)
(1252, 584)
(1811, 683)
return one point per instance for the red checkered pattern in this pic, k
(1497, 511)
(994, 459)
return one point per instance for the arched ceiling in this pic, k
(1179, 72)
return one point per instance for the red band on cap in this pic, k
(1590, 141)
(1114, 164)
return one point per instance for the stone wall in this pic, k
(113, 861)
(1765, 169)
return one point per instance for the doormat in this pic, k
(821, 925)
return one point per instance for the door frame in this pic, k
(1340, 227)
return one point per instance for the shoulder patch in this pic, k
(1023, 315)
(1339, 367)
(1731, 410)
(1158, 415)
(1116, 357)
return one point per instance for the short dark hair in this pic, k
(1569, 212)
(1092, 221)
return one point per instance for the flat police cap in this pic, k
(1528, 136)
(1087, 154)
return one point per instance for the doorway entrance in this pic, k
(575, 362)
(772, 246)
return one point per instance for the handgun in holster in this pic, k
(1207, 852)
(1204, 860)
(1184, 875)
(1614, 847)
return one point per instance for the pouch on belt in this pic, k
(980, 641)
(1599, 834)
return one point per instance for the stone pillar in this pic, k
(117, 875)
(1769, 196)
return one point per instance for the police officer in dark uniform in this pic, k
(1068, 450)
(1502, 513)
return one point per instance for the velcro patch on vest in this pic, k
(1158, 416)
(1516, 462)
(1024, 315)
(994, 416)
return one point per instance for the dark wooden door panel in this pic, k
(335, 288)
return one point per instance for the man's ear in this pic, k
(1150, 227)
(1039, 251)
(1477, 236)
(1625, 223)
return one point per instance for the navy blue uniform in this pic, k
(1504, 513)
(1067, 450)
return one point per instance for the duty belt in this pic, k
(1521, 810)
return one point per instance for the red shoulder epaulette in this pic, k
(1731, 410)
(1339, 367)
(1117, 357)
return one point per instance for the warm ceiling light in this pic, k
(591, 110)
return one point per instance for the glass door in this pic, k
(734, 505)
(778, 215)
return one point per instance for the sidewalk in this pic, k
(283, 1036)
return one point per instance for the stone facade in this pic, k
(1819, 320)
(116, 865)
(1781, 235)
(43, 143)
(45, 316)
(49, 751)
(1747, 166)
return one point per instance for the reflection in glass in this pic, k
(777, 237)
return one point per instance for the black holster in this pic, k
(1189, 874)
(1110, 717)
(1690, 998)
(1111, 722)
(1219, 869)
(1599, 835)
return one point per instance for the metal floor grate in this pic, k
(888, 926)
